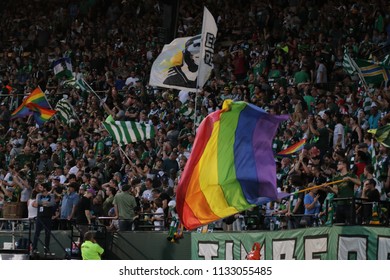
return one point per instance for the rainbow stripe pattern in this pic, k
(36, 104)
(41, 114)
(231, 167)
(293, 148)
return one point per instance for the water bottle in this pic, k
(272, 225)
(277, 224)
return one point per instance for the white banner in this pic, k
(209, 34)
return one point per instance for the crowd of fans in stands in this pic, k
(284, 56)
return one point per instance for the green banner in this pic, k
(325, 243)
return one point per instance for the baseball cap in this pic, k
(118, 174)
(92, 191)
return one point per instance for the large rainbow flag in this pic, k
(293, 148)
(231, 167)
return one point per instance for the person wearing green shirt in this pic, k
(302, 76)
(98, 144)
(310, 101)
(345, 189)
(90, 249)
(124, 204)
(274, 72)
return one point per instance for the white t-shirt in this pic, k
(32, 211)
(130, 81)
(183, 96)
(338, 129)
(147, 194)
(73, 170)
(159, 225)
(321, 74)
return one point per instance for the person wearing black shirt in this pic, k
(83, 212)
(372, 195)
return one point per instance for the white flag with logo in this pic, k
(186, 63)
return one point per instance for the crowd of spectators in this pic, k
(284, 56)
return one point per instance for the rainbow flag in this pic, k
(21, 112)
(231, 167)
(41, 114)
(293, 148)
(37, 96)
(36, 103)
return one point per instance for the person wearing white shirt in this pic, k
(338, 133)
(131, 80)
(158, 217)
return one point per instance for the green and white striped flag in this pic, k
(79, 84)
(369, 72)
(65, 110)
(367, 101)
(348, 65)
(125, 132)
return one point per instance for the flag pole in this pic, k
(91, 89)
(358, 71)
(196, 95)
(74, 114)
(121, 149)
(319, 186)
(44, 94)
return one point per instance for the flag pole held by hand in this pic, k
(319, 186)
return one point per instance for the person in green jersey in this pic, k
(90, 249)
(345, 189)
(302, 76)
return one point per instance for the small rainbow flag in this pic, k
(36, 97)
(36, 104)
(41, 114)
(293, 148)
(231, 167)
(21, 112)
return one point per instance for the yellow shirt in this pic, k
(91, 251)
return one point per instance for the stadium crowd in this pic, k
(284, 56)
